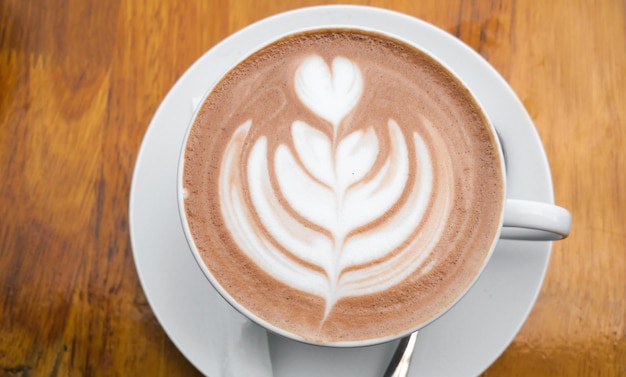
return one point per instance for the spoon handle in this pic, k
(401, 359)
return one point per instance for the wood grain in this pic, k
(81, 79)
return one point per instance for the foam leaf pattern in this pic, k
(341, 217)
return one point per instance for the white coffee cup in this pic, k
(519, 219)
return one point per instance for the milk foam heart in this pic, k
(342, 185)
(330, 94)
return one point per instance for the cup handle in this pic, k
(531, 220)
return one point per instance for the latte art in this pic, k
(365, 230)
(341, 185)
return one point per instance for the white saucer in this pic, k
(464, 342)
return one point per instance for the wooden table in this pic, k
(81, 79)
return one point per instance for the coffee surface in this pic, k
(342, 186)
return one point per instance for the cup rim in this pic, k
(180, 191)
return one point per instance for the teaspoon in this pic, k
(401, 359)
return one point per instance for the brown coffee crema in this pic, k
(342, 186)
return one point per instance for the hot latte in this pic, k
(342, 186)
